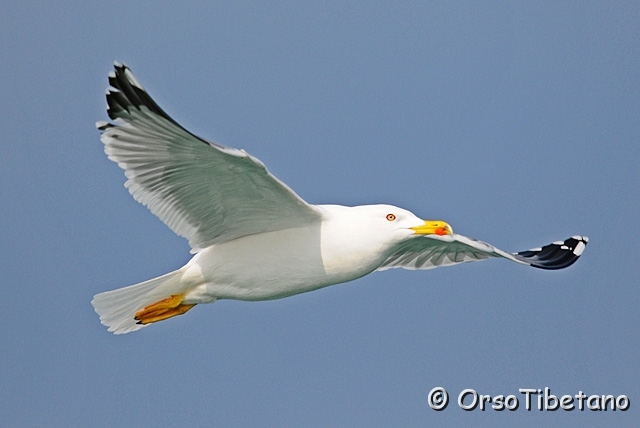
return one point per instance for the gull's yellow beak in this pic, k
(433, 227)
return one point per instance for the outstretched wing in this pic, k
(431, 251)
(203, 191)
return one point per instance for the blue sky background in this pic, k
(519, 124)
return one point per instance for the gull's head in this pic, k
(387, 224)
(356, 240)
(408, 224)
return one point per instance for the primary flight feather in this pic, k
(253, 237)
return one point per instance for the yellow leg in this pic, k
(162, 309)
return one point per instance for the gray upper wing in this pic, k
(203, 191)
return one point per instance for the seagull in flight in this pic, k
(254, 238)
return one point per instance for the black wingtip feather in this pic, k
(557, 255)
(117, 103)
(128, 94)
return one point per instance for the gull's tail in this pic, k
(118, 308)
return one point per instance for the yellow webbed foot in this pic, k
(162, 309)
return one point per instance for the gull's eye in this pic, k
(391, 217)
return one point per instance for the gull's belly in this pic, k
(266, 266)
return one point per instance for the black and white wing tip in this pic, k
(129, 93)
(557, 255)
